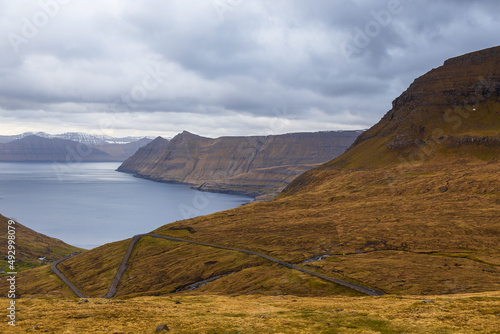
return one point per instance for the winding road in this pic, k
(64, 278)
(124, 265)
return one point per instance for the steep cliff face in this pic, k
(252, 165)
(147, 155)
(457, 104)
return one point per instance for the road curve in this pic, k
(56, 271)
(124, 265)
(360, 288)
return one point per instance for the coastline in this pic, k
(242, 190)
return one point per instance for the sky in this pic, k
(223, 67)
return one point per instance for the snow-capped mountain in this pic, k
(84, 138)
(41, 146)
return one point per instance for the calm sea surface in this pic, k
(90, 204)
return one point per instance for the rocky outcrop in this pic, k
(448, 106)
(250, 165)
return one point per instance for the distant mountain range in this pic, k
(80, 137)
(248, 165)
(68, 147)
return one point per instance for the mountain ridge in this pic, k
(50, 149)
(81, 137)
(35, 148)
(433, 230)
(253, 165)
(456, 104)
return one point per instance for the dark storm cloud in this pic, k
(220, 67)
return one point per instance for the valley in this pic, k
(410, 210)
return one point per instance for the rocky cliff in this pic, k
(457, 104)
(251, 165)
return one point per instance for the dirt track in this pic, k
(124, 265)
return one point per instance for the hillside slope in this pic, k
(30, 245)
(453, 109)
(149, 155)
(250, 165)
(426, 227)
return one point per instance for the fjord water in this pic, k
(90, 204)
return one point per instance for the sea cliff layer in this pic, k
(246, 165)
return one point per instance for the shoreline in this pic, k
(200, 187)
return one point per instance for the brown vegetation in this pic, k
(403, 225)
(464, 313)
(31, 245)
(250, 165)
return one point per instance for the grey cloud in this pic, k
(227, 74)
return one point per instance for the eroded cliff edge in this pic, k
(255, 166)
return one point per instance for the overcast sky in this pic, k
(223, 67)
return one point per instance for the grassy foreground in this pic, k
(465, 313)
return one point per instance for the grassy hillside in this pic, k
(435, 231)
(452, 110)
(373, 216)
(30, 245)
(463, 313)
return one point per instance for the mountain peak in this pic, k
(454, 105)
(189, 134)
(186, 135)
(252, 165)
(157, 141)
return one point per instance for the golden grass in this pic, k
(199, 263)
(92, 272)
(41, 282)
(418, 239)
(442, 273)
(464, 313)
(29, 245)
(360, 211)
